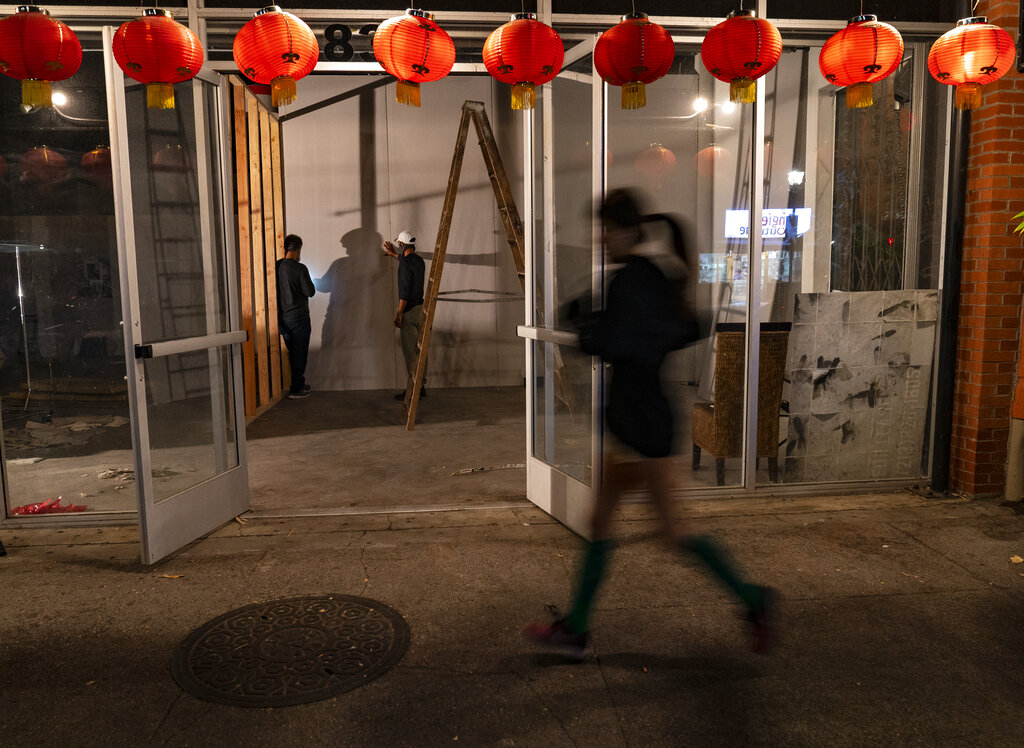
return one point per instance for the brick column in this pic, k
(992, 280)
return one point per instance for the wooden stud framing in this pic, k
(278, 187)
(260, 205)
(244, 256)
(258, 257)
(270, 252)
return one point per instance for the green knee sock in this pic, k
(592, 572)
(715, 558)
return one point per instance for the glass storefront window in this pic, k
(687, 154)
(851, 229)
(65, 418)
(855, 275)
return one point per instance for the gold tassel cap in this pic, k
(634, 95)
(524, 96)
(159, 96)
(859, 95)
(968, 96)
(742, 91)
(282, 90)
(35, 93)
(408, 93)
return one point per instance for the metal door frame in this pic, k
(564, 497)
(173, 522)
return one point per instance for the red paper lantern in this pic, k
(970, 55)
(96, 165)
(524, 53)
(656, 162)
(632, 54)
(740, 50)
(43, 165)
(863, 53)
(172, 157)
(157, 50)
(278, 48)
(37, 49)
(415, 50)
(712, 158)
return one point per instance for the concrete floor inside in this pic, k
(349, 452)
(335, 452)
(339, 452)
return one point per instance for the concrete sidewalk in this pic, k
(902, 626)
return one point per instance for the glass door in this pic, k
(179, 297)
(563, 422)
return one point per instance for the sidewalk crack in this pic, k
(611, 699)
(544, 705)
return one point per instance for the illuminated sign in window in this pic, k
(776, 223)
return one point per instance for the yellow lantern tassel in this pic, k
(742, 91)
(159, 96)
(524, 96)
(35, 93)
(634, 95)
(408, 93)
(859, 95)
(968, 96)
(282, 90)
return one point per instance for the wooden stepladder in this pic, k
(471, 111)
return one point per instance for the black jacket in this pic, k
(643, 320)
(411, 270)
(294, 287)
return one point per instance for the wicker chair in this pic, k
(718, 426)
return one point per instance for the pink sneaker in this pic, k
(557, 638)
(764, 622)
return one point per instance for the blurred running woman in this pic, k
(646, 316)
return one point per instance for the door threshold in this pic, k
(399, 509)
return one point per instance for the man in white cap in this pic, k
(409, 318)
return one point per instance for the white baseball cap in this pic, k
(406, 237)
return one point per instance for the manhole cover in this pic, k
(292, 651)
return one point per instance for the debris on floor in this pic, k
(124, 475)
(59, 432)
(19, 461)
(118, 475)
(507, 466)
(50, 506)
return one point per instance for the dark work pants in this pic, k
(296, 337)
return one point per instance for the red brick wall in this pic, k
(992, 282)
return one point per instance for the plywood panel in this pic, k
(258, 263)
(244, 246)
(271, 254)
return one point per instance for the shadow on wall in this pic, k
(356, 317)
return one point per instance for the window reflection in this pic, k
(62, 390)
